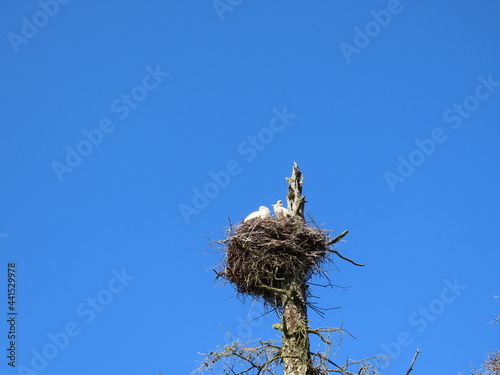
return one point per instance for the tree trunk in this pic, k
(294, 197)
(295, 343)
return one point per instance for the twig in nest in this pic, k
(338, 238)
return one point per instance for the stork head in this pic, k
(278, 204)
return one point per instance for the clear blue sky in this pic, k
(117, 115)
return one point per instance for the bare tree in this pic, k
(491, 365)
(273, 259)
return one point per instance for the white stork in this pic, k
(280, 211)
(261, 214)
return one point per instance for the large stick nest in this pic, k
(262, 255)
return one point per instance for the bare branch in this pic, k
(345, 258)
(338, 238)
(413, 361)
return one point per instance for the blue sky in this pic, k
(132, 131)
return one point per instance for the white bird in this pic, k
(280, 211)
(261, 214)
